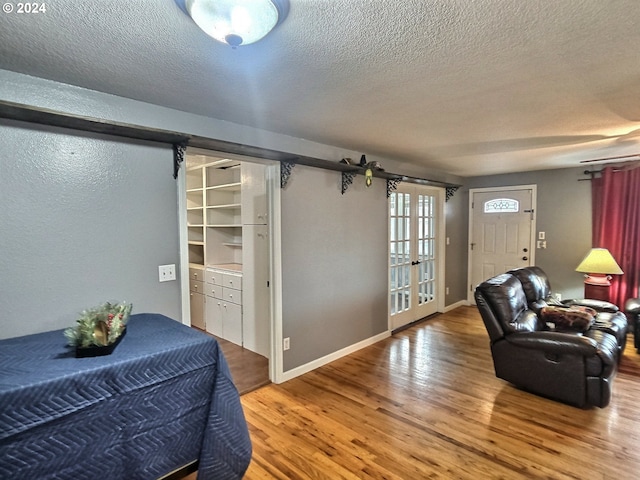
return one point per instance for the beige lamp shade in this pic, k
(599, 261)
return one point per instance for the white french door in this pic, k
(415, 253)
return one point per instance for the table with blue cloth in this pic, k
(162, 400)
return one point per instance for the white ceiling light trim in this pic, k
(237, 22)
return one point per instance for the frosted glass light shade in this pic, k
(235, 22)
(599, 260)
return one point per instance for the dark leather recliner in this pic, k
(537, 289)
(576, 368)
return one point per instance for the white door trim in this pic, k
(183, 236)
(534, 203)
(276, 357)
(441, 245)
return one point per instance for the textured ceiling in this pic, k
(465, 87)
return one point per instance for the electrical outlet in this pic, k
(166, 273)
(286, 344)
(559, 297)
(446, 290)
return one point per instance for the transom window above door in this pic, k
(502, 205)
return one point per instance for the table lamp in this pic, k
(598, 266)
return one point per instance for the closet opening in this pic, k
(227, 251)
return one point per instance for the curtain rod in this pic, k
(617, 168)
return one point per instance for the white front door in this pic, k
(501, 226)
(415, 253)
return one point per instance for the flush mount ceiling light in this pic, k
(237, 22)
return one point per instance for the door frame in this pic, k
(440, 247)
(534, 205)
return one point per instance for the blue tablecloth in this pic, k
(161, 400)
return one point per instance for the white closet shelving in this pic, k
(228, 249)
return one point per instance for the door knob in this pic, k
(416, 263)
(525, 250)
(525, 258)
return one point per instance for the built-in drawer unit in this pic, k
(196, 297)
(223, 289)
(214, 291)
(232, 280)
(232, 295)
(213, 277)
(196, 274)
(196, 286)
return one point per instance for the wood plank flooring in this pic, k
(425, 403)
(248, 369)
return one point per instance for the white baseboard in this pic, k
(453, 306)
(302, 369)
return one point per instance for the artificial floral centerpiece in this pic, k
(99, 329)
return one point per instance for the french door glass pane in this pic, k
(400, 252)
(426, 252)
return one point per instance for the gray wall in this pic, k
(563, 212)
(334, 263)
(340, 302)
(345, 296)
(85, 219)
(456, 211)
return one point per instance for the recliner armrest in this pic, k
(555, 342)
(597, 305)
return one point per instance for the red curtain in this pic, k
(616, 225)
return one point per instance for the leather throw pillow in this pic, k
(569, 318)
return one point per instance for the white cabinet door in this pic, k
(232, 322)
(197, 309)
(254, 194)
(214, 316)
(224, 307)
(255, 289)
(224, 319)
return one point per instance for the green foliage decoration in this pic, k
(99, 326)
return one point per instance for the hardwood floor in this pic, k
(425, 403)
(248, 369)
